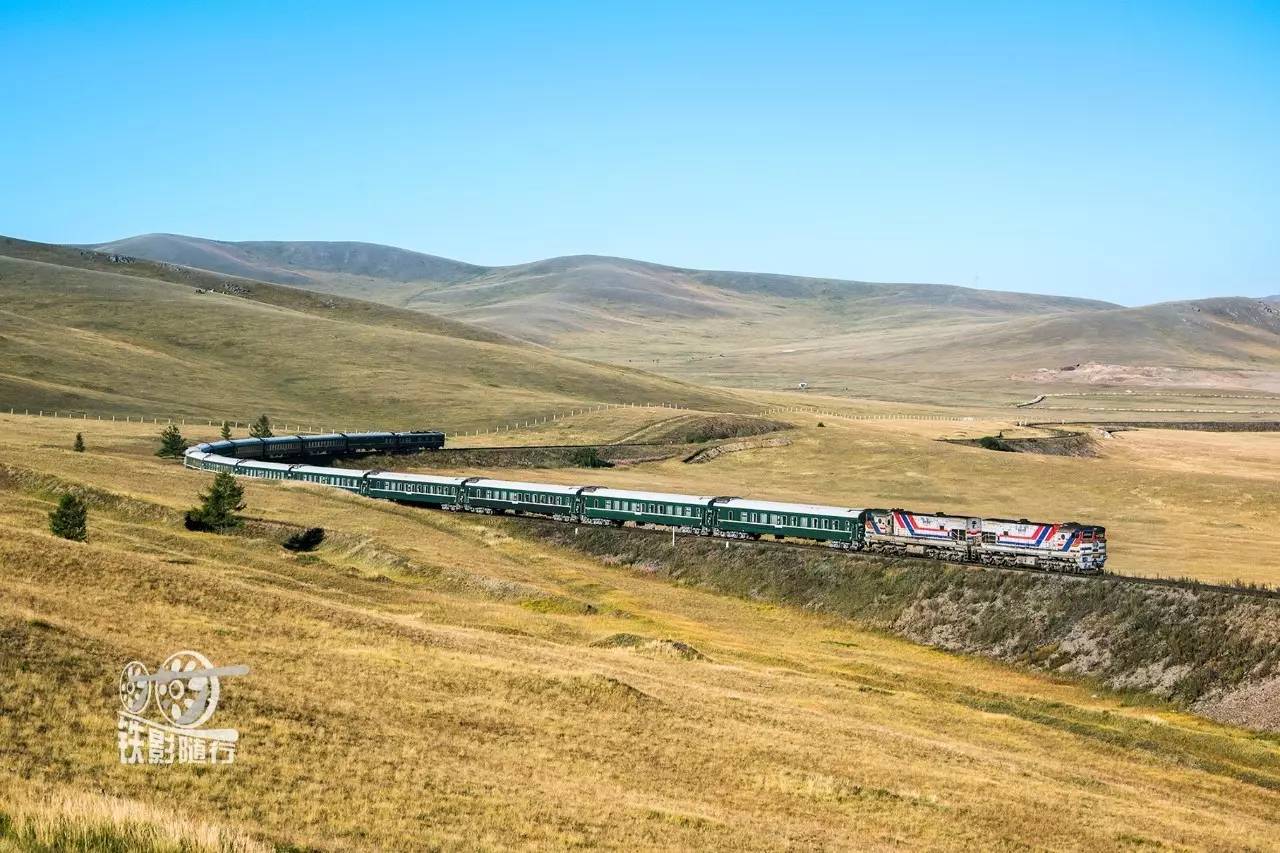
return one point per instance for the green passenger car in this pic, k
(265, 470)
(530, 498)
(668, 510)
(342, 478)
(416, 488)
(752, 519)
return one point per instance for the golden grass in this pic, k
(109, 343)
(427, 680)
(71, 819)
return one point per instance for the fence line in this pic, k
(833, 413)
(294, 428)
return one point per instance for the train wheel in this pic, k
(187, 701)
(135, 695)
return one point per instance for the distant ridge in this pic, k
(545, 299)
(286, 262)
(746, 329)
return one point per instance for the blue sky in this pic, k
(1122, 151)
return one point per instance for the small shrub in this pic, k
(261, 428)
(78, 444)
(70, 519)
(821, 424)
(172, 444)
(307, 540)
(589, 457)
(218, 506)
(226, 430)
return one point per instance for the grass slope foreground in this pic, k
(432, 681)
(102, 333)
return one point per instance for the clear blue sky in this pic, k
(1127, 151)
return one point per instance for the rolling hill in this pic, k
(103, 333)
(549, 299)
(296, 262)
(775, 331)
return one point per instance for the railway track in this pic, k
(341, 479)
(1105, 576)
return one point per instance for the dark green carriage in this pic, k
(752, 519)
(528, 498)
(416, 488)
(619, 506)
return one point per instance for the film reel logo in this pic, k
(185, 689)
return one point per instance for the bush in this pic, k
(226, 430)
(70, 519)
(307, 540)
(78, 444)
(218, 506)
(589, 457)
(821, 424)
(172, 444)
(261, 428)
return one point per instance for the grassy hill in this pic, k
(295, 262)
(430, 681)
(80, 329)
(904, 341)
(545, 300)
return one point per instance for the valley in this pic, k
(520, 647)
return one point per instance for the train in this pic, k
(1069, 547)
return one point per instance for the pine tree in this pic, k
(261, 428)
(218, 506)
(226, 430)
(78, 446)
(69, 520)
(172, 444)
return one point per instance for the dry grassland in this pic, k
(426, 680)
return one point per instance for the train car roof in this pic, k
(310, 436)
(550, 488)
(366, 434)
(663, 497)
(258, 463)
(1047, 523)
(418, 478)
(780, 506)
(928, 514)
(329, 472)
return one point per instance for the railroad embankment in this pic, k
(1213, 651)
(1059, 443)
(585, 456)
